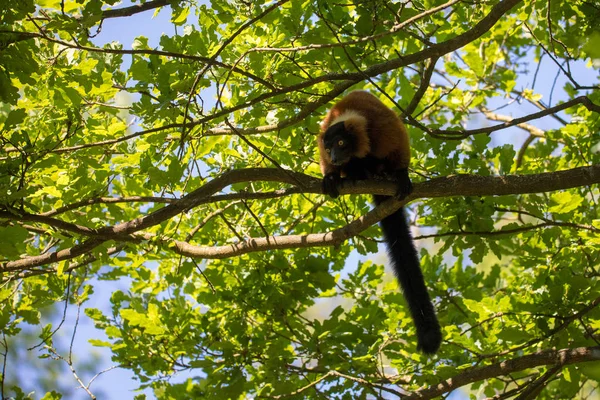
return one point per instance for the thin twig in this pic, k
(212, 59)
(212, 287)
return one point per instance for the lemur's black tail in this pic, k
(406, 265)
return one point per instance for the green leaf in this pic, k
(99, 343)
(565, 202)
(52, 396)
(591, 370)
(14, 118)
(180, 15)
(11, 240)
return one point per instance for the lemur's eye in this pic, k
(328, 150)
(341, 143)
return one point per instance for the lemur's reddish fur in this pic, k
(379, 131)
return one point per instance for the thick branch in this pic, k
(458, 185)
(475, 185)
(547, 357)
(55, 256)
(333, 238)
(202, 194)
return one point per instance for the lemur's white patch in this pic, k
(346, 115)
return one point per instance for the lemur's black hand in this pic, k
(331, 183)
(404, 184)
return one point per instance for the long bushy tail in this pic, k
(406, 265)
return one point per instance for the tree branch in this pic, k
(394, 29)
(48, 258)
(108, 200)
(425, 80)
(534, 388)
(142, 52)
(547, 357)
(453, 134)
(533, 130)
(502, 231)
(135, 9)
(457, 185)
(332, 238)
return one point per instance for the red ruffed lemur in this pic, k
(362, 138)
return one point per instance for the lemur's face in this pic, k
(339, 144)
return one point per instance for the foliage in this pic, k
(133, 172)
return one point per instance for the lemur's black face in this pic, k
(340, 144)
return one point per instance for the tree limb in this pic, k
(533, 130)
(135, 9)
(141, 52)
(534, 388)
(454, 134)
(547, 357)
(332, 238)
(457, 185)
